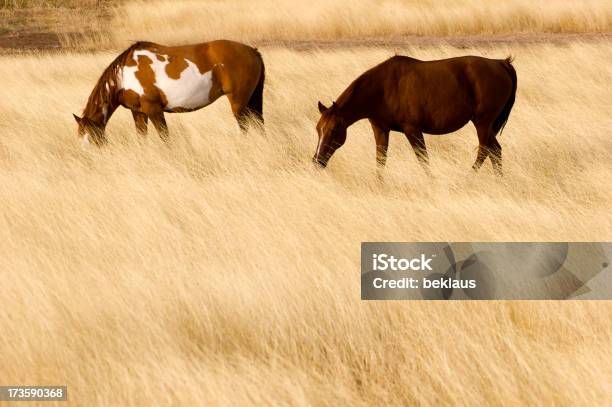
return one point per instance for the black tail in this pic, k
(500, 122)
(255, 104)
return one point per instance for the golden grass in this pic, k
(247, 20)
(223, 269)
(113, 24)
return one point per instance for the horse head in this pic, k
(89, 131)
(331, 129)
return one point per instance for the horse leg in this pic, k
(159, 121)
(140, 120)
(239, 104)
(483, 145)
(240, 113)
(382, 143)
(154, 111)
(417, 141)
(496, 156)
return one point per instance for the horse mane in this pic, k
(361, 82)
(347, 94)
(107, 83)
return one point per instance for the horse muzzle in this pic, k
(319, 163)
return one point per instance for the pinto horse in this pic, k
(152, 79)
(415, 97)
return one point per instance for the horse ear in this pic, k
(322, 107)
(77, 118)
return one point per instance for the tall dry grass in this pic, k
(222, 269)
(190, 20)
(113, 24)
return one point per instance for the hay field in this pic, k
(247, 20)
(112, 24)
(223, 269)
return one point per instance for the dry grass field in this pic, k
(112, 24)
(169, 21)
(223, 269)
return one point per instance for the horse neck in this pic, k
(103, 99)
(100, 113)
(354, 101)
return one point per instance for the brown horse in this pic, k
(415, 97)
(150, 79)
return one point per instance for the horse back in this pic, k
(443, 95)
(187, 77)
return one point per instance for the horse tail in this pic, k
(500, 122)
(255, 104)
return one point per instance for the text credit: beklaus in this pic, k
(486, 271)
(386, 262)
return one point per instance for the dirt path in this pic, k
(47, 28)
(461, 41)
(24, 41)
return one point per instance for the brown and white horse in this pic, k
(415, 97)
(152, 79)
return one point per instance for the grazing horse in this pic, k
(152, 79)
(415, 97)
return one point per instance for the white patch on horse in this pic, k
(129, 80)
(85, 140)
(322, 134)
(190, 91)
